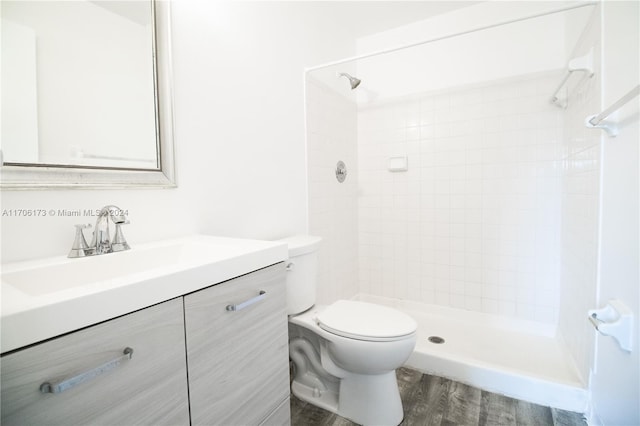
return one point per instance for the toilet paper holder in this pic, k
(615, 320)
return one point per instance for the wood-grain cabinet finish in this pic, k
(281, 416)
(150, 388)
(232, 369)
(238, 359)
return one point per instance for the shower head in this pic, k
(354, 82)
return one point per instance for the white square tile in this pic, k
(484, 204)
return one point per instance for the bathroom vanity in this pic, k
(214, 354)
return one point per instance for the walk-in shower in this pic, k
(477, 236)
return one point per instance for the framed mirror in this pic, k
(86, 95)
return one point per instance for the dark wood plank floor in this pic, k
(431, 400)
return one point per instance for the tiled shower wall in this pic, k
(475, 221)
(333, 212)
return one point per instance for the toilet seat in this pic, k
(365, 321)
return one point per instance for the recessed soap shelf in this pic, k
(398, 164)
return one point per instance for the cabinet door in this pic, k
(281, 416)
(238, 360)
(96, 382)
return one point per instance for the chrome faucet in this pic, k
(101, 242)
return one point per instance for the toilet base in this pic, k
(366, 400)
(325, 399)
(371, 400)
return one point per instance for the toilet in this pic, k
(344, 354)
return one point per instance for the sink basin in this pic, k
(62, 274)
(48, 297)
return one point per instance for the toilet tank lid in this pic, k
(301, 244)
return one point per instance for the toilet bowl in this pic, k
(344, 354)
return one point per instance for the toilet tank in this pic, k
(302, 272)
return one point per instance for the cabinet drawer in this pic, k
(147, 388)
(238, 360)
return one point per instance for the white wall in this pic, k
(519, 48)
(615, 382)
(238, 77)
(333, 206)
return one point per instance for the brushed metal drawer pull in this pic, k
(249, 302)
(63, 385)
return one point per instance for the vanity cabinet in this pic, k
(216, 356)
(92, 381)
(237, 351)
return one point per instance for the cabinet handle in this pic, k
(63, 385)
(249, 302)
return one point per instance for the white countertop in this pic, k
(49, 297)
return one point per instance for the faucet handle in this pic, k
(119, 242)
(80, 247)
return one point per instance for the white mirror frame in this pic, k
(27, 177)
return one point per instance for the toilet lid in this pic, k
(365, 321)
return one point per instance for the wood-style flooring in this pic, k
(431, 400)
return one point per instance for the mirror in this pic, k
(86, 94)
